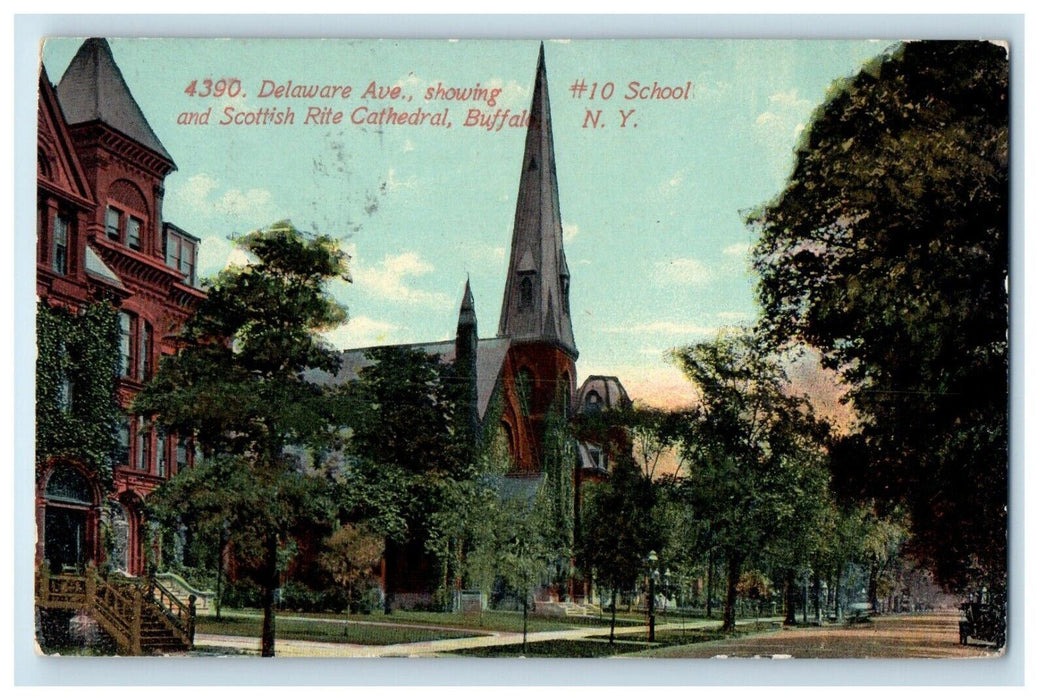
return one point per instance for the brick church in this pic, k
(102, 239)
(530, 364)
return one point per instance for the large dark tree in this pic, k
(888, 251)
(237, 385)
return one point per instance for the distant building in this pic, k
(101, 238)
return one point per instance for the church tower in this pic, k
(535, 309)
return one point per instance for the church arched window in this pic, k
(524, 389)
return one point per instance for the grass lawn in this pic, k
(594, 647)
(490, 621)
(557, 648)
(319, 630)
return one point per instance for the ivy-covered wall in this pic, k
(77, 411)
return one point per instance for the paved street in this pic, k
(927, 635)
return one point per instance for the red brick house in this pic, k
(101, 237)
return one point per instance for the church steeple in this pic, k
(466, 344)
(536, 306)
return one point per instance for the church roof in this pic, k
(490, 357)
(535, 306)
(94, 89)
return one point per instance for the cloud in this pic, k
(682, 272)
(786, 118)
(737, 249)
(387, 280)
(202, 195)
(666, 328)
(733, 316)
(360, 331)
(570, 232)
(484, 253)
(237, 203)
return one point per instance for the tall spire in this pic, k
(536, 304)
(93, 89)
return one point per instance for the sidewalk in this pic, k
(291, 647)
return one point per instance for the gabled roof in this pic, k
(64, 170)
(94, 89)
(490, 358)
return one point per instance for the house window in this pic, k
(161, 452)
(126, 324)
(65, 394)
(181, 454)
(143, 454)
(593, 401)
(123, 441)
(145, 352)
(134, 233)
(181, 256)
(60, 247)
(112, 223)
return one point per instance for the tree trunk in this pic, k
(271, 574)
(838, 590)
(218, 583)
(733, 576)
(613, 612)
(526, 606)
(388, 578)
(708, 585)
(817, 596)
(788, 592)
(873, 587)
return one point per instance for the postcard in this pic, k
(564, 348)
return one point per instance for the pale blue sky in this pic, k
(652, 214)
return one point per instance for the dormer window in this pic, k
(180, 253)
(564, 286)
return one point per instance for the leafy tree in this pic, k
(887, 251)
(618, 531)
(349, 556)
(408, 434)
(238, 386)
(745, 443)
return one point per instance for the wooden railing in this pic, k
(182, 589)
(118, 604)
(181, 616)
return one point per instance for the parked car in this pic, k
(982, 622)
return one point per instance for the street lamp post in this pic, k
(652, 562)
